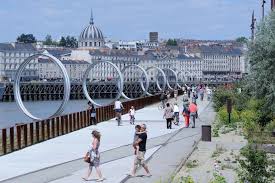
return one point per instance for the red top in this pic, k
(193, 107)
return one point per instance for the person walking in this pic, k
(92, 114)
(162, 99)
(201, 93)
(118, 109)
(168, 115)
(176, 114)
(193, 109)
(132, 113)
(176, 94)
(94, 155)
(186, 113)
(139, 158)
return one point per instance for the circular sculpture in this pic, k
(145, 89)
(157, 82)
(182, 72)
(67, 85)
(86, 74)
(176, 77)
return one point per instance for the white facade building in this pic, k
(12, 55)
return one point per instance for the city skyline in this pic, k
(123, 20)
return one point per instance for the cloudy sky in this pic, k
(129, 19)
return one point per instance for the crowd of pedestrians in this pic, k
(171, 115)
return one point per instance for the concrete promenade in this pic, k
(60, 160)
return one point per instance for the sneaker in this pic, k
(148, 175)
(100, 180)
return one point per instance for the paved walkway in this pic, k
(60, 159)
(165, 161)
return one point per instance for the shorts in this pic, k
(139, 159)
(118, 110)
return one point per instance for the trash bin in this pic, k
(206, 133)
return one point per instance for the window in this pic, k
(86, 43)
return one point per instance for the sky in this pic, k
(129, 19)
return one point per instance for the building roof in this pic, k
(59, 52)
(218, 49)
(91, 32)
(17, 47)
(47, 60)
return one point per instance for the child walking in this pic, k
(132, 112)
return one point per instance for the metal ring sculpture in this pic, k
(180, 72)
(164, 78)
(86, 74)
(67, 85)
(176, 77)
(145, 89)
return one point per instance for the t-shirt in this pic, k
(142, 144)
(118, 105)
(132, 112)
(176, 108)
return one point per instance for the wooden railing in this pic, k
(21, 136)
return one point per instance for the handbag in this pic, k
(87, 158)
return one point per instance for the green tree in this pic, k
(242, 40)
(62, 42)
(261, 80)
(69, 42)
(48, 40)
(26, 38)
(171, 42)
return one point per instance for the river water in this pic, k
(11, 114)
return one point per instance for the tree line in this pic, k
(68, 41)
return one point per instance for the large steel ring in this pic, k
(67, 85)
(86, 74)
(157, 82)
(176, 77)
(180, 72)
(145, 89)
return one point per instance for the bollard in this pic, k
(206, 133)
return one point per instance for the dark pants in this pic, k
(169, 123)
(193, 116)
(93, 120)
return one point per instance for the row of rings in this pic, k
(67, 89)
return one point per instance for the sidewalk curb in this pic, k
(184, 160)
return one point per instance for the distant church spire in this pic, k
(92, 17)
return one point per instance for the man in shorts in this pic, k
(139, 159)
(118, 109)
